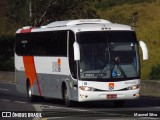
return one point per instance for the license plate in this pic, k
(110, 96)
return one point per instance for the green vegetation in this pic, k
(42, 12)
(6, 53)
(154, 74)
(144, 14)
(104, 4)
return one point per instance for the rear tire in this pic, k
(30, 96)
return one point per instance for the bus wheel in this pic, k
(66, 97)
(30, 96)
(119, 103)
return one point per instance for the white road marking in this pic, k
(5, 99)
(12, 101)
(36, 118)
(112, 119)
(156, 107)
(73, 109)
(56, 107)
(51, 118)
(38, 109)
(4, 89)
(7, 82)
(148, 118)
(20, 102)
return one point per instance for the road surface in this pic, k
(14, 106)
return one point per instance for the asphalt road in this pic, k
(14, 106)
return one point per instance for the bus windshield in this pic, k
(108, 55)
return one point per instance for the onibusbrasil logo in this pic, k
(21, 114)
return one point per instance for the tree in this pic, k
(18, 12)
(41, 12)
(7, 53)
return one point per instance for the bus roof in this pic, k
(77, 26)
(77, 22)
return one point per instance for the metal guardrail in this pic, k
(150, 88)
(7, 76)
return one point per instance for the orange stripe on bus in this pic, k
(31, 71)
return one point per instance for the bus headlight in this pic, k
(85, 88)
(133, 87)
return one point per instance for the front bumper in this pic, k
(103, 96)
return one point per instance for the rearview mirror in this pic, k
(144, 50)
(76, 51)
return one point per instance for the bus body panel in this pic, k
(120, 89)
(105, 86)
(20, 77)
(50, 77)
(102, 96)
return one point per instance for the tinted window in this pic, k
(121, 36)
(42, 43)
(92, 37)
(23, 44)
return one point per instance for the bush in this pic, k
(7, 53)
(155, 73)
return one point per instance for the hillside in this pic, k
(147, 15)
(6, 28)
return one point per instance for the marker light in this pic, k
(133, 87)
(85, 88)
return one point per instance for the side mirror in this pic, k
(76, 51)
(144, 50)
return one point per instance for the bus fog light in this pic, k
(133, 87)
(136, 95)
(85, 88)
(82, 96)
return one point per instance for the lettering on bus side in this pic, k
(131, 82)
(56, 66)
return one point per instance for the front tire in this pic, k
(66, 100)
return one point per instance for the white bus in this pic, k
(79, 60)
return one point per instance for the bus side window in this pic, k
(59, 43)
(18, 47)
